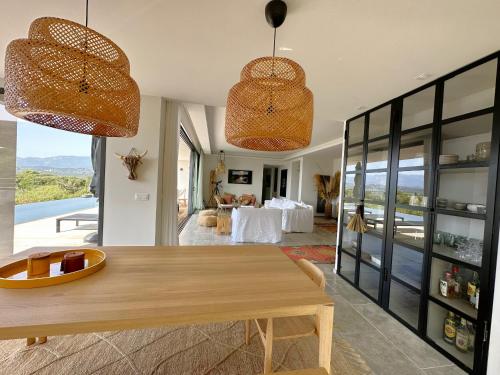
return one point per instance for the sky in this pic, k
(41, 141)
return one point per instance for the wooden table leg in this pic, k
(268, 347)
(325, 333)
(247, 332)
(42, 340)
(30, 341)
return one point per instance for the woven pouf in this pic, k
(207, 221)
(208, 213)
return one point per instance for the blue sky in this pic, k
(42, 141)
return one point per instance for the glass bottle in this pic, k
(477, 299)
(449, 328)
(462, 336)
(458, 282)
(445, 285)
(472, 287)
(472, 336)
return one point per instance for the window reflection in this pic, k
(356, 130)
(470, 91)
(415, 149)
(380, 121)
(378, 153)
(353, 186)
(413, 188)
(418, 109)
(354, 159)
(375, 186)
(409, 226)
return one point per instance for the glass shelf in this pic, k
(435, 331)
(450, 254)
(460, 303)
(459, 237)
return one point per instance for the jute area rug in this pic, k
(208, 349)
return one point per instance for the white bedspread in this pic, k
(296, 217)
(256, 225)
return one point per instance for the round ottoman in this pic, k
(207, 221)
(211, 212)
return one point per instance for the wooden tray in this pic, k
(15, 276)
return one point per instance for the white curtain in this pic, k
(198, 192)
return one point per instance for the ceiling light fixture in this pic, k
(270, 109)
(68, 76)
(286, 49)
(423, 76)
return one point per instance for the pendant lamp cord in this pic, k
(274, 42)
(84, 85)
(86, 13)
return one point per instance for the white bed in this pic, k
(296, 217)
(252, 224)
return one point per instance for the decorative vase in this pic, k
(328, 209)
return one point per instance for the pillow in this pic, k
(228, 198)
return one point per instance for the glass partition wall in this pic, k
(425, 168)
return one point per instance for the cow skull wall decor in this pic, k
(131, 161)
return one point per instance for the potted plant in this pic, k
(328, 190)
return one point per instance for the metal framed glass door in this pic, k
(425, 168)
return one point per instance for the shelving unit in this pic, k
(418, 211)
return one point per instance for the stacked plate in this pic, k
(442, 203)
(448, 159)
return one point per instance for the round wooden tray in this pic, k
(15, 276)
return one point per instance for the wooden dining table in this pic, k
(154, 286)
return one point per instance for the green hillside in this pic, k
(33, 186)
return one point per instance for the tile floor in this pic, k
(387, 346)
(193, 234)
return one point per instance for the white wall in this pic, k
(494, 349)
(256, 165)
(127, 221)
(316, 165)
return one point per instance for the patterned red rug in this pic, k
(314, 253)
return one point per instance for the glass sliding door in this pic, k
(187, 178)
(51, 186)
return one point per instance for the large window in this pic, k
(50, 186)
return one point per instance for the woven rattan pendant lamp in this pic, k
(270, 109)
(68, 76)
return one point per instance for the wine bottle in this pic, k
(462, 336)
(449, 328)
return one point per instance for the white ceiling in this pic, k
(354, 52)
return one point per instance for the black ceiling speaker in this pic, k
(276, 13)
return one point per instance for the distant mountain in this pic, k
(60, 165)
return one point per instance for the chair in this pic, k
(308, 371)
(290, 327)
